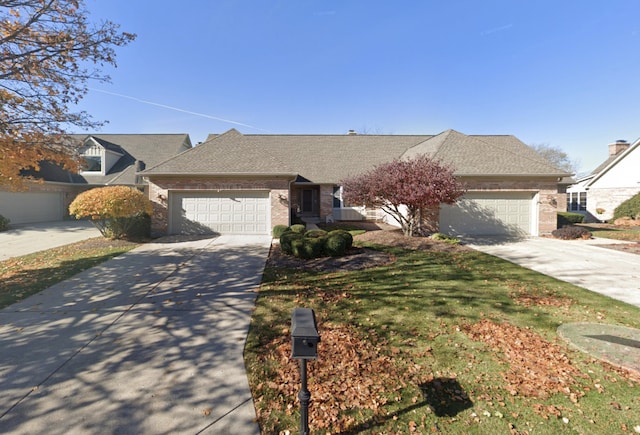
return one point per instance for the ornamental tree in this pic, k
(112, 209)
(49, 51)
(410, 191)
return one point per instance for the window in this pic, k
(576, 201)
(94, 163)
(337, 202)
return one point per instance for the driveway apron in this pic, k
(581, 262)
(149, 342)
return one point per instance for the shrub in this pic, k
(337, 243)
(278, 230)
(346, 234)
(314, 234)
(629, 208)
(114, 210)
(308, 247)
(568, 218)
(286, 239)
(571, 232)
(298, 228)
(4, 223)
(444, 238)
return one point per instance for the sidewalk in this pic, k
(149, 342)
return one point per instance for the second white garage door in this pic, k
(30, 207)
(490, 213)
(220, 212)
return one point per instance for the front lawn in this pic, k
(21, 277)
(438, 342)
(609, 231)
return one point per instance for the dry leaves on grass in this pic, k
(352, 374)
(544, 298)
(537, 368)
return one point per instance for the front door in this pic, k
(307, 201)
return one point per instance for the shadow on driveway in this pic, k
(149, 342)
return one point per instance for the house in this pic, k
(617, 179)
(245, 184)
(111, 159)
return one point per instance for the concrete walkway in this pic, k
(149, 342)
(581, 262)
(28, 238)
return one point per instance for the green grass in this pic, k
(408, 324)
(630, 234)
(21, 277)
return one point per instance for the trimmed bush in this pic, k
(4, 223)
(337, 243)
(346, 234)
(629, 208)
(114, 210)
(298, 228)
(314, 234)
(308, 247)
(571, 233)
(286, 239)
(278, 230)
(568, 218)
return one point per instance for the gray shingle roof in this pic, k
(149, 149)
(485, 155)
(331, 158)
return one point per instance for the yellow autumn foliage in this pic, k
(110, 202)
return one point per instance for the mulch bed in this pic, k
(362, 258)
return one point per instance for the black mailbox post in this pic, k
(304, 346)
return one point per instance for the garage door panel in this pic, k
(504, 213)
(31, 207)
(220, 212)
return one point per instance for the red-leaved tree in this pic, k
(408, 190)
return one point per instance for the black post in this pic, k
(304, 395)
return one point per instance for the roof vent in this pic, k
(352, 133)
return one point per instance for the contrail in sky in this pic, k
(177, 109)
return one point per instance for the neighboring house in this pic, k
(112, 159)
(617, 179)
(245, 184)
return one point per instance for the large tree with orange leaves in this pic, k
(49, 51)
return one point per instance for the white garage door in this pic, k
(490, 213)
(30, 207)
(220, 212)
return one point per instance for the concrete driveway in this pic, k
(581, 262)
(28, 238)
(149, 342)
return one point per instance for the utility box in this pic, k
(304, 334)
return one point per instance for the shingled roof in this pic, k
(147, 149)
(331, 158)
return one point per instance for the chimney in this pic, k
(618, 147)
(352, 133)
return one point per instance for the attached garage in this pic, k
(491, 213)
(30, 207)
(224, 212)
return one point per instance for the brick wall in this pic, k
(608, 200)
(326, 201)
(160, 188)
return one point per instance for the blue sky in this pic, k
(563, 73)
